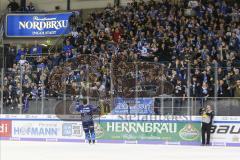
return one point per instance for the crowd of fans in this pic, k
(14, 6)
(142, 49)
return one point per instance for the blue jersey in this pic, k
(86, 112)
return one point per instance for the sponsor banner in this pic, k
(37, 25)
(47, 129)
(5, 128)
(117, 128)
(127, 117)
(137, 117)
(225, 133)
(133, 106)
(175, 132)
(40, 116)
(227, 118)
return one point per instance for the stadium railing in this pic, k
(227, 106)
(50, 99)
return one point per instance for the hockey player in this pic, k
(86, 110)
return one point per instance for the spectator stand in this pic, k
(181, 61)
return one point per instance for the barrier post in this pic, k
(64, 95)
(111, 87)
(43, 94)
(215, 86)
(188, 88)
(2, 87)
(162, 91)
(20, 98)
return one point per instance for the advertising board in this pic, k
(37, 25)
(5, 128)
(47, 129)
(180, 129)
(165, 131)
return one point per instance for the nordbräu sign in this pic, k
(37, 25)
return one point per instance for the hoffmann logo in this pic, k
(5, 128)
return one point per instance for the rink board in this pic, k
(179, 130)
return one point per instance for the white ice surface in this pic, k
(13, 150)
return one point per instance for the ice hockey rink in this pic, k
(16, 150)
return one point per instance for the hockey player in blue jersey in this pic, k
(87, 111)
